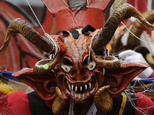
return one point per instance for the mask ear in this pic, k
(119, 78)
(44, 84)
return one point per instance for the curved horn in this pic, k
(137, 28)
(46, 65)
(108, 62)
(121, 12)
(20, 26)
(103, 100)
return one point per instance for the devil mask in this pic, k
(78, 68)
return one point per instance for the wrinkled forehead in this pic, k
(78, 41)
(78, 47)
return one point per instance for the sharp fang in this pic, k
(69, 86)
(81, 88)
(68, 92)
(89, 85)
(85, 87)
(92, 91)
(75, 88)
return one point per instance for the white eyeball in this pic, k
(91, 65)
(66, 68)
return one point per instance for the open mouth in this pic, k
(80, 91)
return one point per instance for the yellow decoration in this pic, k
(123, 104)
(150, 95)
(6, 89)
(109, 47)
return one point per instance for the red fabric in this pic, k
(18, 103)
(145, 103)
(4, 104)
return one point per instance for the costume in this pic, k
(77, 71)
(20, 103)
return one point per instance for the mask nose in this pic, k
(79, 74)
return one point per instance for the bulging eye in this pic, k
(66, 68)
(91, 65)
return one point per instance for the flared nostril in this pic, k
(82, 72)
(77, 74)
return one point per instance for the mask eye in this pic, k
(91, 65)
(66, 68)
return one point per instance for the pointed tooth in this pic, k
(89, 85)
(92, 90)
(79, 96)
(83, 95)
(87, 93)
(81, 88)
(75, 95)
(72, 93)
(68, 92)
(69, 86)
(85, 87)
(76, 88)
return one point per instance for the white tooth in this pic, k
(69, 86)
(92, 91)
(75, 88)
(83, 95)
(72, 93)
(85, 87)
(68, 92)
(72, 87)
(89, 85)
(81, 88)
(75, 95)
(79, 96)
(87, 93)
